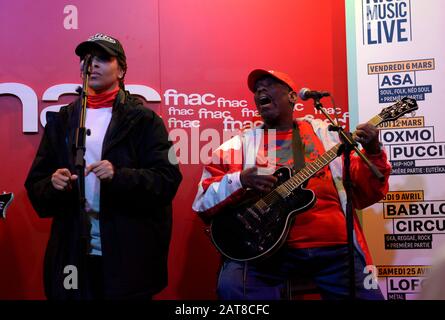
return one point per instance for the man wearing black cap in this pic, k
(129, 187)
(316, 245)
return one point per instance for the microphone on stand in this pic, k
(79, 156)
(306, 94)
(87, 64)
(86, 71)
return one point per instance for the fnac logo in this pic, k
(29, 99)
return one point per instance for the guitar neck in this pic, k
(313, 167)
(391, 113)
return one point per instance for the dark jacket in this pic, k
(135, 206)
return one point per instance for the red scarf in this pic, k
(101, 100)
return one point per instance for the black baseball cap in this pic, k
(111, 45)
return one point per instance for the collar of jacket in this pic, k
(124, 115)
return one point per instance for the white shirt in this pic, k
(97, 121)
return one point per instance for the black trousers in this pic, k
(94, 278)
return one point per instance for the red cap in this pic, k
(258, 73)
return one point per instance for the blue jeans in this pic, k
(266, 280)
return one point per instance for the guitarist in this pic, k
(316, 246)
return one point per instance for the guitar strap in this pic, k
(298, 148)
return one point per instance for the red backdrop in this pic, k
(193, 47)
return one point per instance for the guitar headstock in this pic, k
(400, 108)
(5, 201)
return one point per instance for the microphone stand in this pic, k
(79, 163)
(346, 148)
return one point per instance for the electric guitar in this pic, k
(5, 201)
(258, 226)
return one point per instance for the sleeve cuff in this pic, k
(234, 181)
(376, 156)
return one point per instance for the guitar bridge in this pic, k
(253, 214)
(244, 221)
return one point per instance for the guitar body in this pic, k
(245, 232)
(5, 201)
